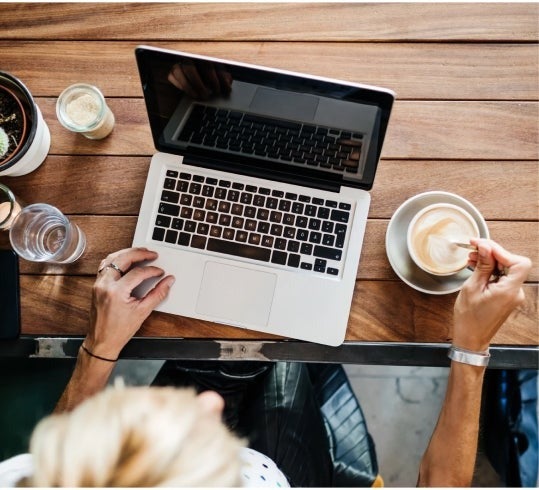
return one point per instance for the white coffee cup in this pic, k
(432, 234)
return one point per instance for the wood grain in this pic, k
(267, 21)
(417, 130)
(515, 236)
(113, 185)
(381, 311)
(413, 70)
(465, 121)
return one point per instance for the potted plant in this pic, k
(24, 135)
(12, 124)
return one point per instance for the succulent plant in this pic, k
(4, 142)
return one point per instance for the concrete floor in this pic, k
(401, 406)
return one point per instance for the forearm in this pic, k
(450, 457)
(89, 377)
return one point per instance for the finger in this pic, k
(225, 80)
(210, 78)
(137, 275)
(193, 77)
(124, 260)
(158, 294)
(179, 80)
(485, 262)
(516, 267)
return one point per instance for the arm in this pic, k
(481, 308)
(115, 317)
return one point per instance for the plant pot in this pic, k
(34, 142)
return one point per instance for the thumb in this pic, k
(486, 262)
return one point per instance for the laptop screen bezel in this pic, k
(380, 97)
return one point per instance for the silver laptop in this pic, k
(257, 198)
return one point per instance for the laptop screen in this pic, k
(263, 122)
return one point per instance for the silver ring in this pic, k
(112, 265)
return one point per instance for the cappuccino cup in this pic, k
(432, 234)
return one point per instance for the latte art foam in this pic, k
(432, 239)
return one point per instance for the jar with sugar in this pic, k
(82, 108)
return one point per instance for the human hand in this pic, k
(486, 299)
(115, 314)
(200, 81)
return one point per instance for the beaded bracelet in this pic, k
(469, 357)
(91, 354)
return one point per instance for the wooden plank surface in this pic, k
(439, 71)
(119, 230)
(381, 311)
(466, 121)
(418, 130)
(267, 21)
(117, 183)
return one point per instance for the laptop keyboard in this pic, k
(276, 139)
(259, 223)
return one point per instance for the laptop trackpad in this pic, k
(236, 294)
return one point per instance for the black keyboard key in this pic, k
(328, 240)
(293, 246)
(327, 252)
(303, 198)
(169, 184)
(264, 191)
(331, 204)
(185, 176)
(278, 257)
(190, 226)
(306, 266)
(158, 234)
(186, 199)
(198, 178)
(163, 221)
(169, 209)
(239, 250)
(323, 213)
(224, 183)
(306, 248)
(280, 244)
(345, 206)
(198, 242)
(293, 260)
(340, 216)
(314, 224)
(184, 239)
(332, 271)
(171, 236)
(172, 173)
(177, 223)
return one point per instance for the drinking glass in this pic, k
(10, 207)
(41, 233)
(82, 108)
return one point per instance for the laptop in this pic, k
(257, 198)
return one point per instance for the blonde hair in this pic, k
(135, 437)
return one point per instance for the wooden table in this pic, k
(466, 121)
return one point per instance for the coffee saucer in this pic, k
(397, 250)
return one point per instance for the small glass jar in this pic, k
(10, 207)
(82, 108)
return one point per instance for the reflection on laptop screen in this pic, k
(260, 120)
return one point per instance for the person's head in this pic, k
(142, 437)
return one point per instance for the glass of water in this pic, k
(41, 233)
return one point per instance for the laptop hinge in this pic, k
(261, 173)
